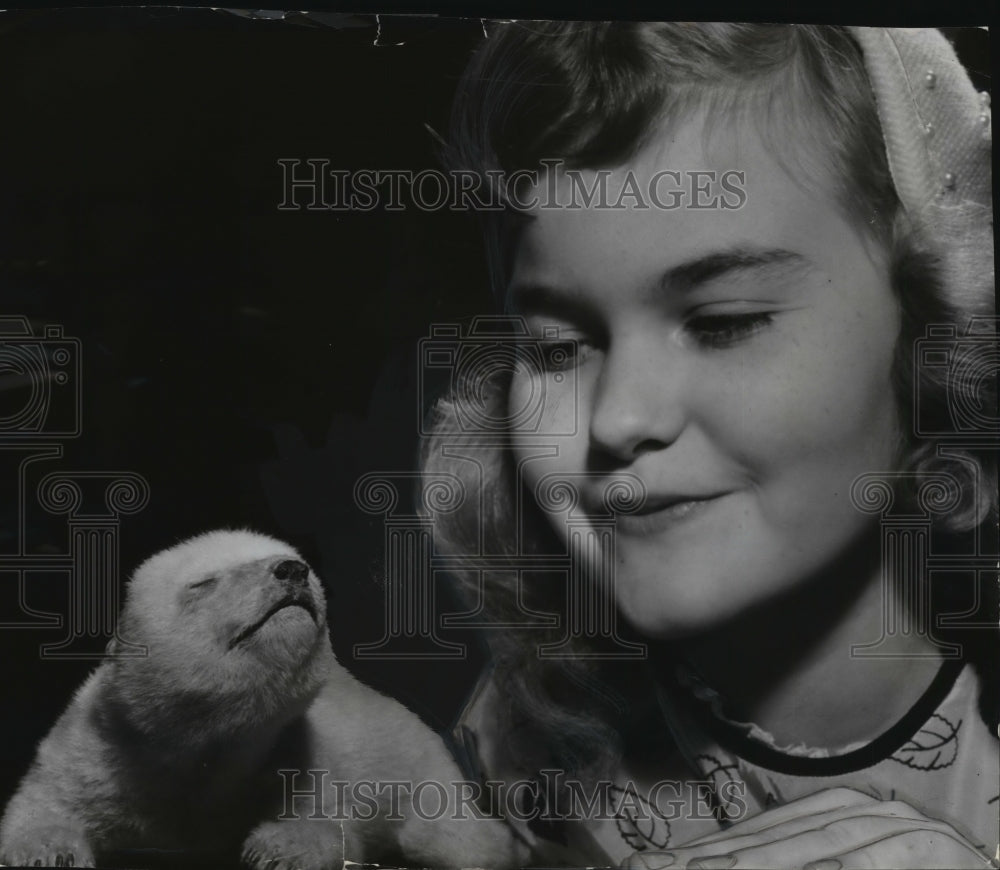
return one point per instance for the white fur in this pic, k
(180, 749)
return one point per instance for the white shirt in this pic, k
(940, 758)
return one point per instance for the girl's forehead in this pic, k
(716, 132)
(689, 141)
(710, 137)
(622, 249)
(699, 185)
(671, 192)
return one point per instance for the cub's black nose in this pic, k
(291, 569)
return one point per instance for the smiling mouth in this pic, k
(659, 514)
(301, 601)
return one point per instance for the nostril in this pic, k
(291, 569)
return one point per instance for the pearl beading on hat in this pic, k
(937, 129)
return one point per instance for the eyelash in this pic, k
(713, 331)
(201, 584)
(561, 355)
(723, 330)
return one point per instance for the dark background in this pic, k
(250, 363)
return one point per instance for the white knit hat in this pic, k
(937, 129)
(937, 133)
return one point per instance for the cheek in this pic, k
(823, 415)
(548, 430)
(544, 403)
(547, 421)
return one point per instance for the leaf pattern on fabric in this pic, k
(762, 782)
(640, 823)
(723, 778)
(933, 747)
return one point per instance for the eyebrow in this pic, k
(682, 278)
(687, 276)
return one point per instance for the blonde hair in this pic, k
(589, 93)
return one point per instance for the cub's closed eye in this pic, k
(200, 584)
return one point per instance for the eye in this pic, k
(206, 583)
(554, 350)
(723, 330)
(563, 354)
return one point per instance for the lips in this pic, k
(659, 513)
(300, 599)
(654, 504)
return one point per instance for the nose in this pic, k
(292, 570)
(638, 401)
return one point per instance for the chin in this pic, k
(682, 601)
(290, 638)
(666, 622)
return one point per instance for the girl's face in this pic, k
(737, 361)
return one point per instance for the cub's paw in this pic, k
(51, 846)
(295, 845)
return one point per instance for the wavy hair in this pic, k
(592, 94)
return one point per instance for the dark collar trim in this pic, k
(734, 738)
